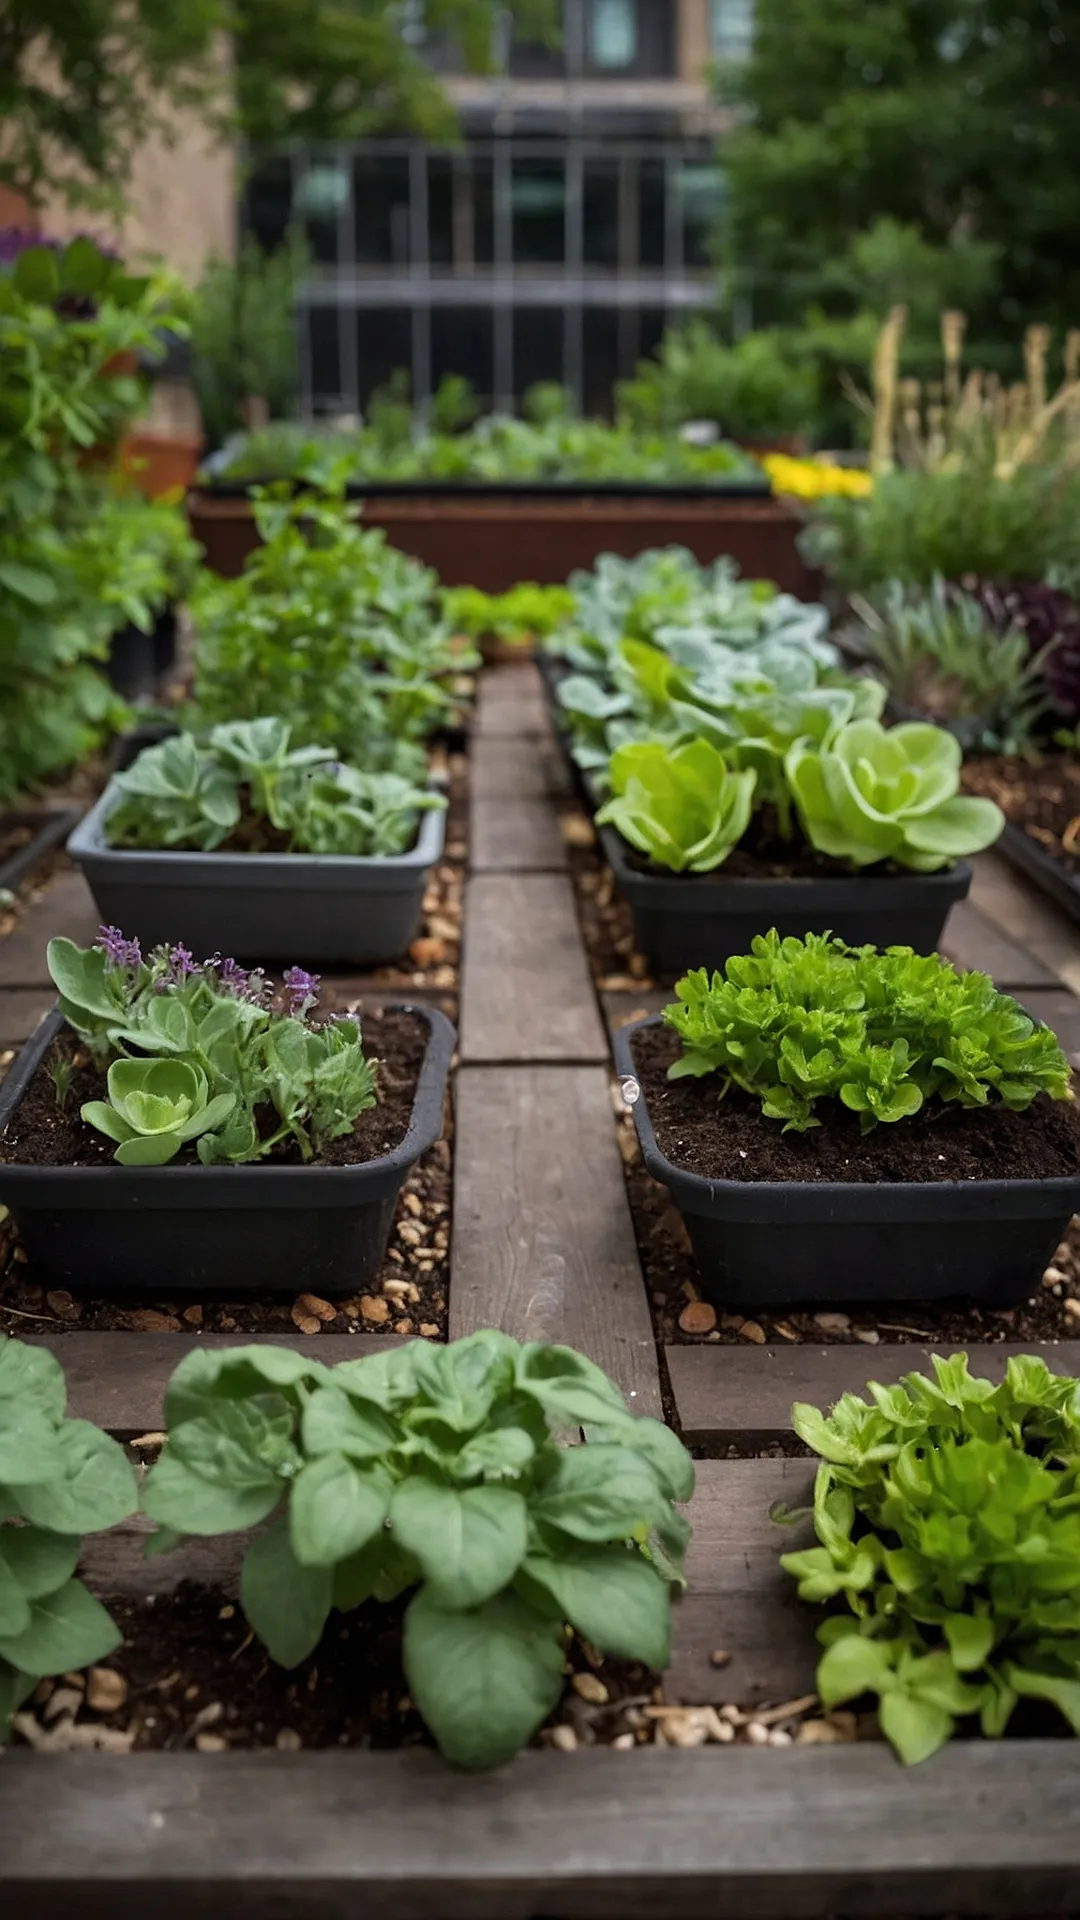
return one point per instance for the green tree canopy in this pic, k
(923, 149)
(82, 82)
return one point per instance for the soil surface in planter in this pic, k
(192, 1673)
(764, 854)
(42, 1134)
(731, 1139)
(1044, 799)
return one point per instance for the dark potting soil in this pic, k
(1043, 799)
(41, 1133)
(764, 854)
(195, 1675)
(730, 1139)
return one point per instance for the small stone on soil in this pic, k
(698, 1317)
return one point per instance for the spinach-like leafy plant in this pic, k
(526, 612)
(948, 1516)
(681, 806)
(183, 794)
(435, 1469)
(59, 1479)
(869, 793)
(256, 1071)
(799, 1022)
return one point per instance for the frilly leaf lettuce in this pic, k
(947, 1512)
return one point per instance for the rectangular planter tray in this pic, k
(1021, 851)
(765, 1244)
(683, 921)
(493, 537)
(196, 1229)
(47, 825)
(260, 906)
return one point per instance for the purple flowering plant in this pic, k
(208, 1053)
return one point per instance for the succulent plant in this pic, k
(1045, 613)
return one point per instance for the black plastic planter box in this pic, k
(260, 906)
(233, 1230)
(697, 920)
(1040, 866)
(46, 826)
(766, 1244)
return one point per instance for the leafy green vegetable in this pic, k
(868, 794)
(183, 794)
(681, 806)
(798, 1022)
(435, 1468)
(527, 612)
(232, 1065)
(947, 1512)
(59, 1479)
(331, 628)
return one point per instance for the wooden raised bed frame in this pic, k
(543, 1245)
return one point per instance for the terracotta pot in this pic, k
(160, 463)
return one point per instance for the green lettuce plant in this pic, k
(154, 1106)
(435, 1470)
(257, 1071)
(185, 794)
(868, 794)
(526, 612)
(681, 806)
(947, 1512)
(797, 1023)
(59, 1479)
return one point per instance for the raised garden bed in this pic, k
(1041, 801)
(494, 537)
(27, 834)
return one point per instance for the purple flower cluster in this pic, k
(302, 989)
(117, 950)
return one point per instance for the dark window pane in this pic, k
(463, 341)
(538, 347)
(630, 39)
(383, 343)
(652, 213)
(652, 322)
(533, 60)
(600, 358)
(700, 190)
(440, 186)
(600, 213)
(381, 199)
(538, 193)
(322, 195)
(612, 34)
(322, 326)
(268, 201)
(483, 201)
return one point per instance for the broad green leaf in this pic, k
(38, 1562)
(94, 1488)
(14, 1605)
(484, 1679)
(33, 1377)
(29, 1445)
(569, 1387)
(853, 1665)
(600, 1492)
(204, 1377)
(15, 1687)
(335, 1422)
(970, 1640)
(67, 1629)
(500, 1453)
(335, 1509)
(285, 1604)
(1061, 1693)
(468, 1542)
(80, 977)
(914, 1727)
(29, 583)
(613, 1597)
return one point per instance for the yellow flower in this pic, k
(814, 479)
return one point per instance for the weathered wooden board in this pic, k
(543, 1245)
(522, 768)
(21, 1010)
(1060, 1010)
(744, 1395)
(118, 1380)
(526, 992)
(1027, 916)
(65, 907)
(971, 939)
(510, 703)
(985, 1829)
(515, 836)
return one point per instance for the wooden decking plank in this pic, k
(1011, 901)
(118, 1380)
(515, 836)
(527, 769)
(65, 907)
(510, 703)
(526, 993)
(21, 1010)
(745, 1394)
(1061, 1010)
(971, 939)
(543, 1244)
(987, 1828)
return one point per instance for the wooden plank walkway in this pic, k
(526, 993)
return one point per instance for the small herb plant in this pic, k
(183, 794)
(435, 1469)
(331, 628)
(948, 1516)
(802, 1023)
(209, 1054)
(59, 1479)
